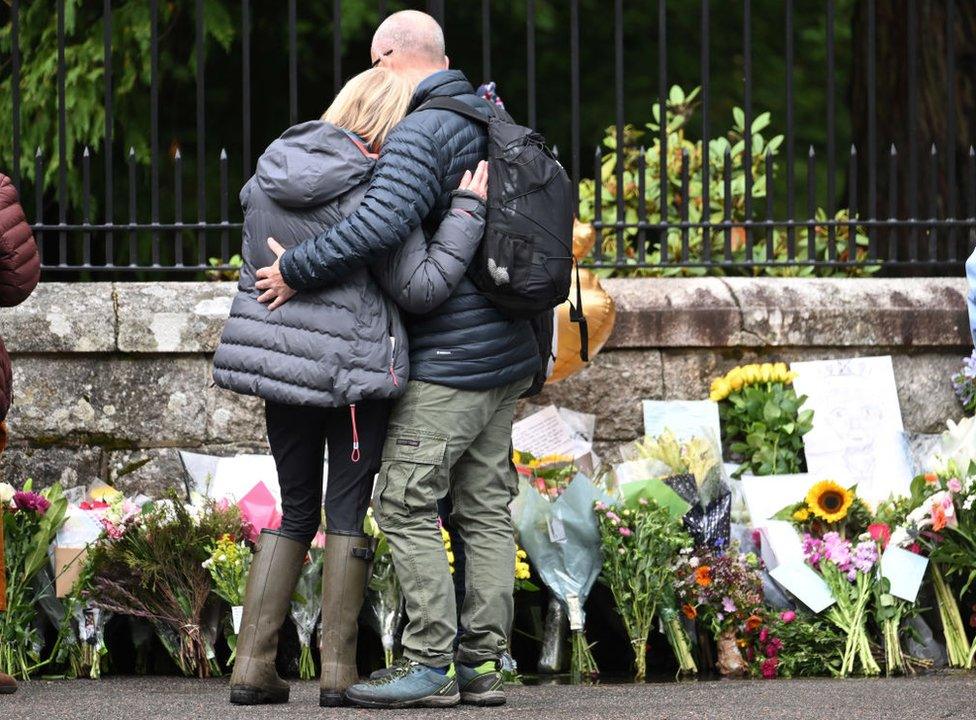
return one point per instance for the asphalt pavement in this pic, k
(944, 695)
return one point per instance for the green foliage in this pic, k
(27, 536)
(682, 151)
(85, 77)
(763, 427)
(232, 273)
(810, 644)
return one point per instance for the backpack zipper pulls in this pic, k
(355, 434)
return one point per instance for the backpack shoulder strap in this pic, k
(456, 106)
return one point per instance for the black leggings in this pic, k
(298, 436)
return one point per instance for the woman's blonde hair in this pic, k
(370, 104)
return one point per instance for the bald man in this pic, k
(450, 434)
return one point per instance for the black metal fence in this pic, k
(664, 203)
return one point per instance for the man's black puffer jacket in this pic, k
(465, 343)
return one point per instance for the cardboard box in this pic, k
(68, 562)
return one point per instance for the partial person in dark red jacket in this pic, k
(20, 269)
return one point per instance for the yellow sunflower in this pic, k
(829, 501)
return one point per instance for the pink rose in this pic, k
(954, 485)
(787, 616)
(625, 531)
(880, 533)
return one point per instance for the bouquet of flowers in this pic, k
(640, 546)
(384, 598)
(849, 570)
(550, 475)
(228, 565)
(83, 626)
(789, 644)
(964, 383)
(150, 565)
(30, 521)
(762, 421)
(306, 606)
(722, 588)
(562, 538)
(943, 523)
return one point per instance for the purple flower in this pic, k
(31, 502)
(728, 605)
(865, 556)
(838, 551)
(787, 616)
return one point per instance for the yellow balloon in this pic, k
(584, 238)
(600, 314)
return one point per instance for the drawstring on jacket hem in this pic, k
(355, 434)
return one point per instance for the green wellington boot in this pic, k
(271, 582)
(345, 573)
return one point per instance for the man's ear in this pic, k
(447, 62)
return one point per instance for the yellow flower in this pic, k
(766, 373)
(781, 372)
(801, 515)
(105, 493)
(753, 374)
(829, 501)
(735, 378)
(720, 389)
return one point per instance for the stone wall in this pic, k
(111, 379)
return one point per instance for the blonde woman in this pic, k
(328, 364)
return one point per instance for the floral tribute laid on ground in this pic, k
(785, 526)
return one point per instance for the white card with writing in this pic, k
(804, 584)
(544, 433)
(685, 418)
(858, 435)
(904, 570)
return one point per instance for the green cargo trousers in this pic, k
(442, 440)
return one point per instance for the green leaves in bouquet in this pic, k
(764, 428)
(27, 536)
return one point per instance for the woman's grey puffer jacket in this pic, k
(345, 343)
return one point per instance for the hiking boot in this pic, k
(7, 684)
(383, 672)
(271, 582)
(481, 685)
(345, 572)
(407, 685)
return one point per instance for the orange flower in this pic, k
(753, 623)
(938, 517)
(703, 575)
(931, 478)
(690, 611)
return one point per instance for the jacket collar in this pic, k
(443, 83)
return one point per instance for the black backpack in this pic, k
(525, 262)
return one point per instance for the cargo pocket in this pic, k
(412, 473)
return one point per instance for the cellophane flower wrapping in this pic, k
(306, 607)
(562, 540)
(384, 599)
